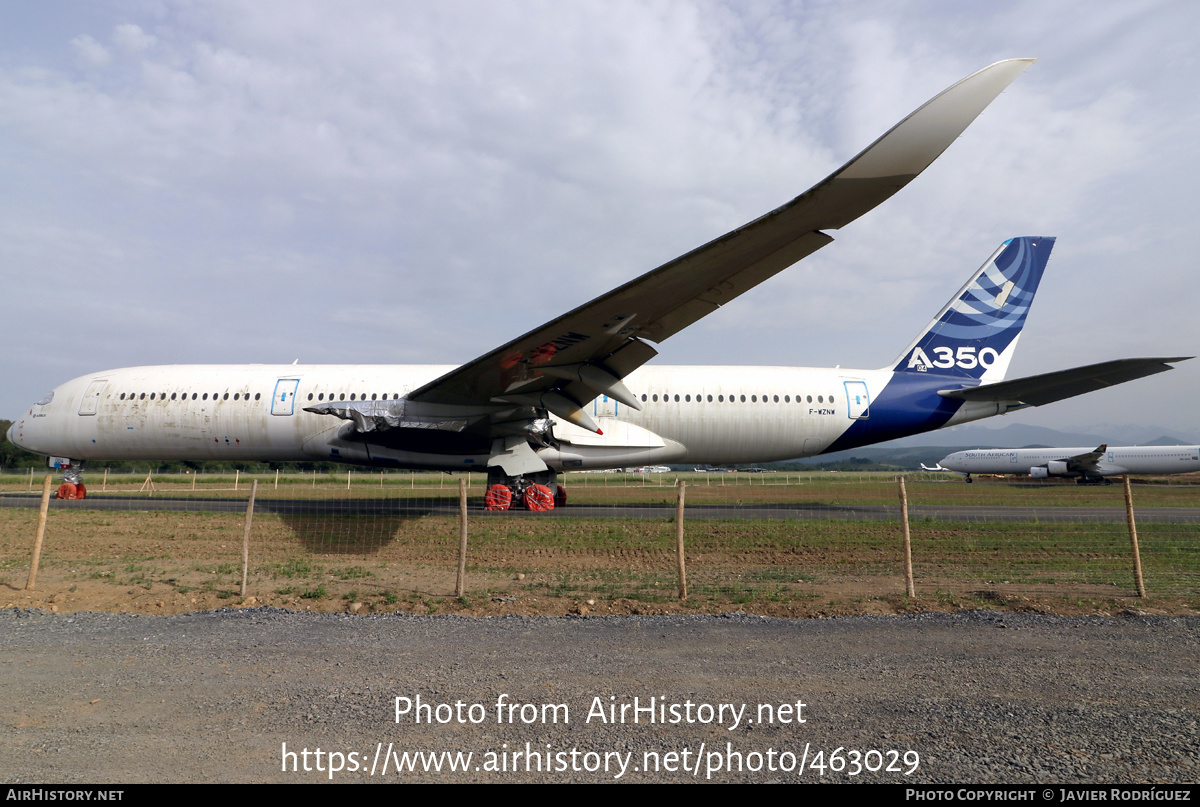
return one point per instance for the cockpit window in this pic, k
(45, 399)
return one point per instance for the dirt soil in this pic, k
(428, 589)
(170, 563)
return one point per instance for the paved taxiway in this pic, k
(446, 507)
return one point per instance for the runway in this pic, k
(763, 512)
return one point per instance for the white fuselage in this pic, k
(1054, 461)
(230, 412)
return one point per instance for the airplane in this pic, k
(1088, 465)
(574, 394)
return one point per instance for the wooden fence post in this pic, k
(679, 542)
(1133, 540)
(246, 535)
(909, 588)
(41, 531)
(459, 586)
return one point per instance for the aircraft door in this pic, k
(604, 407)
(91, 398)
(858, 400)
(284, 400)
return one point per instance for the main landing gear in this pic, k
(72, 486)
(537, 492)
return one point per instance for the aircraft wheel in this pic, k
(560, 496)
(538, 498)
(66, 491)
(498, 497)
(80, 491)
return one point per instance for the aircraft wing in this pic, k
(1037, 390)
(1089, 462)
(584, 353)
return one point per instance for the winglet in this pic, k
(915, 142)
(909, 147)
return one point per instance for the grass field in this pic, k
(160, 562)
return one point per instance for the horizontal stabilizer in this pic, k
(1037, 390)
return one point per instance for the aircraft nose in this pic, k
(11, 434)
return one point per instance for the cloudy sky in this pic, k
(383, 182)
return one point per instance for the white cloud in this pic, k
(90, 51)
(132, 38)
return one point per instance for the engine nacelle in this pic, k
(1058, 468)
(1039, 472)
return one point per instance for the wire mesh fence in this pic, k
(781, 542)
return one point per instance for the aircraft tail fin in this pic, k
(975, 334)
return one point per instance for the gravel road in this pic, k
(980, 697)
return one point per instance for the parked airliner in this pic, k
(1087, 464)
(574, 394)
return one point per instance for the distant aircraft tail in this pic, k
(975, 334)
